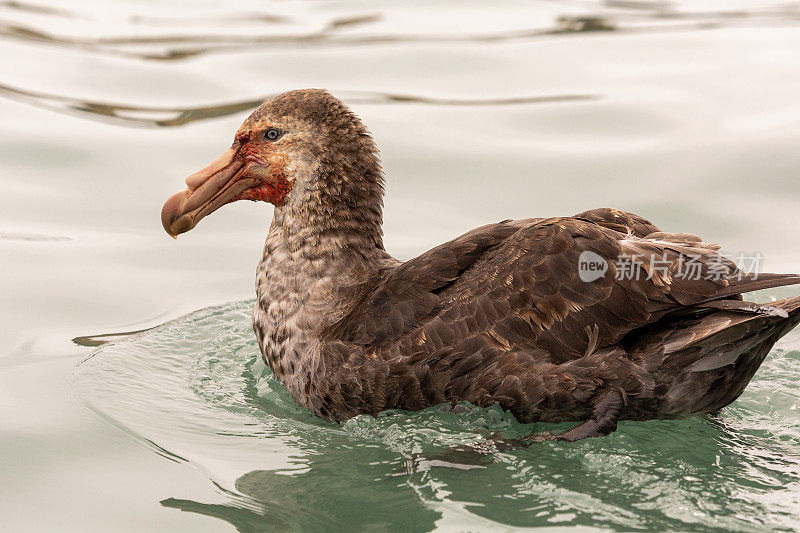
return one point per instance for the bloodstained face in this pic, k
(255, 168)
(277, 156)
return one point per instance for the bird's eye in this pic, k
(272, 134)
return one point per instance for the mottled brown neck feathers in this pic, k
(340, 199)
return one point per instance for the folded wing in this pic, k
(519, 286)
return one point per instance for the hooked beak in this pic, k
(221, 182)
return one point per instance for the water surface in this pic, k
(684, 113)
(207, 400)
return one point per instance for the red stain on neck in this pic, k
(275, 191)
(278, 189)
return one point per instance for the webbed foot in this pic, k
(606, 408)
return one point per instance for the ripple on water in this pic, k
(194, 390)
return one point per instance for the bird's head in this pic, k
(298, 146)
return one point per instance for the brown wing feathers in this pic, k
(520, 286)
(500, 314)
(409, 294)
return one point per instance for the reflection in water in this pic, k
(93, 341)
(628, 17)
(32, 237)
(252, 17)
(673, 480)
(37, 8)
(158, 116)
(337, 490)
(208, 400)
(183, 46)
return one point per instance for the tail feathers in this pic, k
(723, 346)
(684, 341)
(756, 282)
(705, 361)
(790, 305)
(746, 307)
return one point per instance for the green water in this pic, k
(208, 401)
(686, 113)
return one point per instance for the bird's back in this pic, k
(502, 315)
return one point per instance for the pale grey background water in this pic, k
(685, 114)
